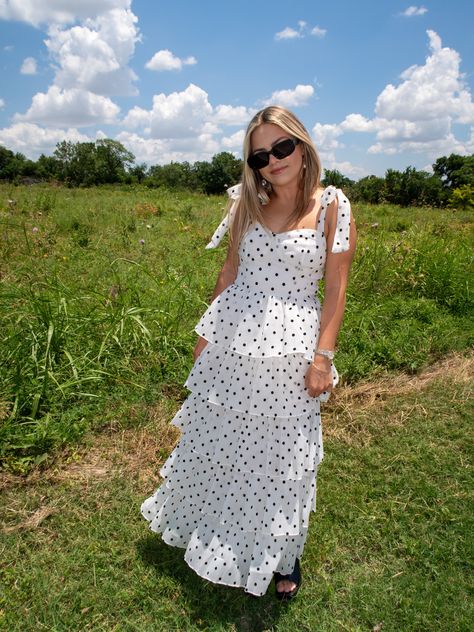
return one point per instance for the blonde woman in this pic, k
(241, 483)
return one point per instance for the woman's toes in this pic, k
(285, 586)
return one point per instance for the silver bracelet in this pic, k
(326, 353)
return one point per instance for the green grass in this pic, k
(101, 289)
(390, 542)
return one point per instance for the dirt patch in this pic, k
(141, 452)
(349, 414)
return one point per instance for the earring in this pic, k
(264, 182)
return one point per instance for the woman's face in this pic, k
(278, 172)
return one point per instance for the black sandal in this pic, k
(295, 577)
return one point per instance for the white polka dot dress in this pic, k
(239, 486)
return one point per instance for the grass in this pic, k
(101, 289)
(390, 546)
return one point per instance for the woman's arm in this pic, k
(335, 283)
(226, 277)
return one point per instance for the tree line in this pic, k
(107, 161)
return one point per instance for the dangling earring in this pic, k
(263, 183)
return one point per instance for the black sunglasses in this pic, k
(282, 149)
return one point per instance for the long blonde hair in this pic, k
(253, 195)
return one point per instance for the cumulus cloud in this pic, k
(57, 11)
(413, 11)
(288, 33)
(165, 60)
(291, 33)
(73, 107)
(318, 31)
(230, 115)
(235, 141)
(33, 140)
(177, 115)
(29, 66)
(163, 151)
(415, 115)
(94, 55)
(291, 98)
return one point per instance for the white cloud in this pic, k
(413, 11)
(177, 115)
(233, 115)
(434, 90)
(165, 60)
(417, 114)
(94, 56)
(33, 140)
(325, 136)
(288, 33)
(163, 151)
(74, 107)
(2, 104)
(57, 11)
(235, 141)
(291, 98)
(357, 123)
(318, 31)
(28, 66)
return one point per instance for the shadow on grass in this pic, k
(210, 606)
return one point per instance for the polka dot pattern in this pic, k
(240, 484)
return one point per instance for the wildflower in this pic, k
(142, 241)
(35, 229)
(148, 226)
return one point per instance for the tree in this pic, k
(112, 160)
(11, 165)
(454, 171)
(86, 164)
(336, 178)
(369, 189)
(223, 171)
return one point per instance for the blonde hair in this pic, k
(253, 195)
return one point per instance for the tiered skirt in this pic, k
(239, 486)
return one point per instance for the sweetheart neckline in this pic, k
(286, 232)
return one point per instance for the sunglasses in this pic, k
(282, 149)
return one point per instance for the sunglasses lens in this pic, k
(258, 160)
(284, 148)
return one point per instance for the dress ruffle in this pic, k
(241, 383)
(261, 325)
(222, 553)
(285, 448)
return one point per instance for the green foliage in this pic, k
(336, 178)
(222, 172)
(102, 289)
(455, 171)
(463, 197)
(85, 164)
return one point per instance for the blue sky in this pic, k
(378, 84)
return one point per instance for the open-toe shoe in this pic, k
(294, 577)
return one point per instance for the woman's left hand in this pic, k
(318, 377)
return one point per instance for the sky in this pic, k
(378, 83)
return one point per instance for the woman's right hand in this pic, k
(201, 343)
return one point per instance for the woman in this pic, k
(240, 484)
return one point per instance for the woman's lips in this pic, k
(277, 171)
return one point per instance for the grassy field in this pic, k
(389, 549)
(100, 291)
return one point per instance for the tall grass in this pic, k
(101, 289)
